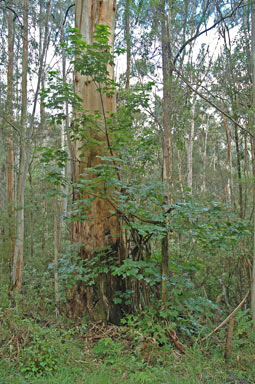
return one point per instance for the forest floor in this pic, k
(37, 349)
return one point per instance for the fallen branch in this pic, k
(228, 318)
(176, 341)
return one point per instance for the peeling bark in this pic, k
(101, 230)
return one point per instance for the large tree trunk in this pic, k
(101, 229)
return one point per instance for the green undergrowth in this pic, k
(40, 349)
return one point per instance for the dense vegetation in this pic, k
(127, 233)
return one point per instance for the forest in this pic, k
(127, 191)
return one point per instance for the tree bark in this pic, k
(239, 170)
(229, 184)
(100, 232)
(128, 42)
(56, 246)
(17, 270)
(190, 147)
(203, 187)
(9, 108)
(167, 136)
(253, 158)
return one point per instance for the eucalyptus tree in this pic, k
(17, 270)
(253, 157)
(9, 108)
(99, 234)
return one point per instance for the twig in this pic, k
(10, 123)
(228, 318)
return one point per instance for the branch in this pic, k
(10, 123)
(120, 213)
(106, 129)
(66, 14)
(212, 103)
(228, 318)
(16, 16)
(206, 30)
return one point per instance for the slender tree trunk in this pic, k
(64, 133)
(229, 183)
(128, 41)
(239, 171)
(9, 108)
(180, 170)
(246, 174)
(45, 231)
(203, 188)
(190, 148)
(167, 136)
(100, 232)
(56, 246)
(17, 270)
(253, 158)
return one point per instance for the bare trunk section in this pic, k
(229, 338)
(101, 230)
(9, 108)
(246, 175)
(167, 137)
(45, 232)
(17, 270)
(239, 170)
(56, 246)
(253, 158)
(64, 132)
(190, 148)
(203, 188)
(180, 171)
(128, 41)
(229, 184)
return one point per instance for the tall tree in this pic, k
(253, 157)
(9, 108)
(17, 270)
(165, 17)
(99, 234)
